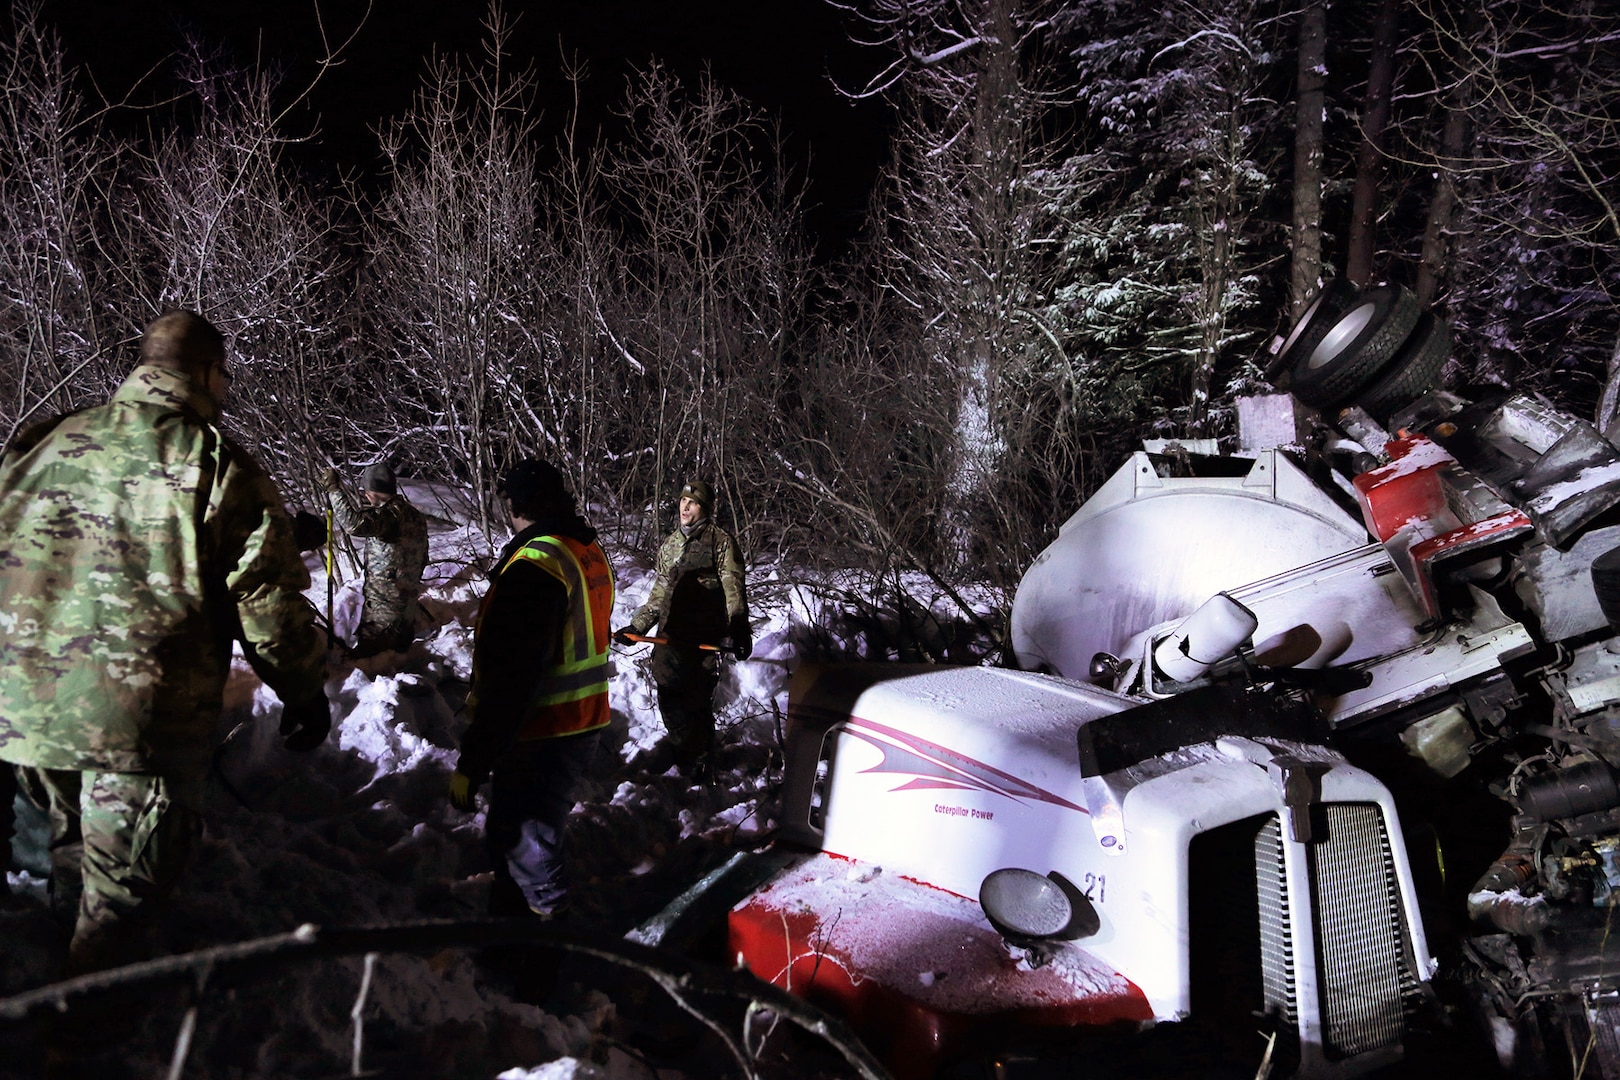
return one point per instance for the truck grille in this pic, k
(1276, 947)
(1363, 963)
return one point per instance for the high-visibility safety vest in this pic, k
(573, 692)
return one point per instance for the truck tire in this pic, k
(1319, 317)
(1357, 348)
(1415, 369)
(1606, 584)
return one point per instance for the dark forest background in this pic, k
(1096, 221)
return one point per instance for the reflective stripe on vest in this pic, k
(573, 691)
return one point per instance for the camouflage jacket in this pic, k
(698, 589)
(136, 541)
(396, 553)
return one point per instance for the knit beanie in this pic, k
(535, 487)
(380, 478)
(701, 493)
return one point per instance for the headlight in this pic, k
(1105, 668)
(1022, 904)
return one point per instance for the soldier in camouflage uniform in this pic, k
(136, 541)
(396, 553)
(698, 598)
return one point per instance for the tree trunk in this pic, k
(1437, 229)
(1608, 409)
(1370, 156)
(1432, 266)
(1306, 269)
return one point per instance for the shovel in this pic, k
(680, 644)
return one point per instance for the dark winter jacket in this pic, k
(520, 630)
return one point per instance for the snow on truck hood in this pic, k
(965, 769)
(969, 708)
(828, 926)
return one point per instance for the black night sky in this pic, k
(776, 53)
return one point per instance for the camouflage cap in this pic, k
(699, 492)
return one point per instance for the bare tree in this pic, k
(971, 83)
(1435, 252)
(585, 316)
(222, 223)
(1536, 232)
(58, 342)
(713, 263)
(856, 449)
(1305, 268)
(457, 273)
(1370, 154)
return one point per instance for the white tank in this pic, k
(1148, 548)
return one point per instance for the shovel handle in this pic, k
(678, 644)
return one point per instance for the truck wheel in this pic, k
(1357, 348)
(1319, 317)
(1413, 372)
(1606, 584)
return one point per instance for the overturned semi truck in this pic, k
(1001, 856)
(1172, 818)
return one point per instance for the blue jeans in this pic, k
(531, 792)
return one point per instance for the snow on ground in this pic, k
(360, 832)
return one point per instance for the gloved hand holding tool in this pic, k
(626, 636)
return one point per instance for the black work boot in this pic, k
(700, 769)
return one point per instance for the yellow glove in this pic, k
(461, 791)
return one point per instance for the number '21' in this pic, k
(1095, 888)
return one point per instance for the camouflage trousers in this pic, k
(686, 679)
(118, 844)
(385, 627)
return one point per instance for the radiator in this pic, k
(1363, 963)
